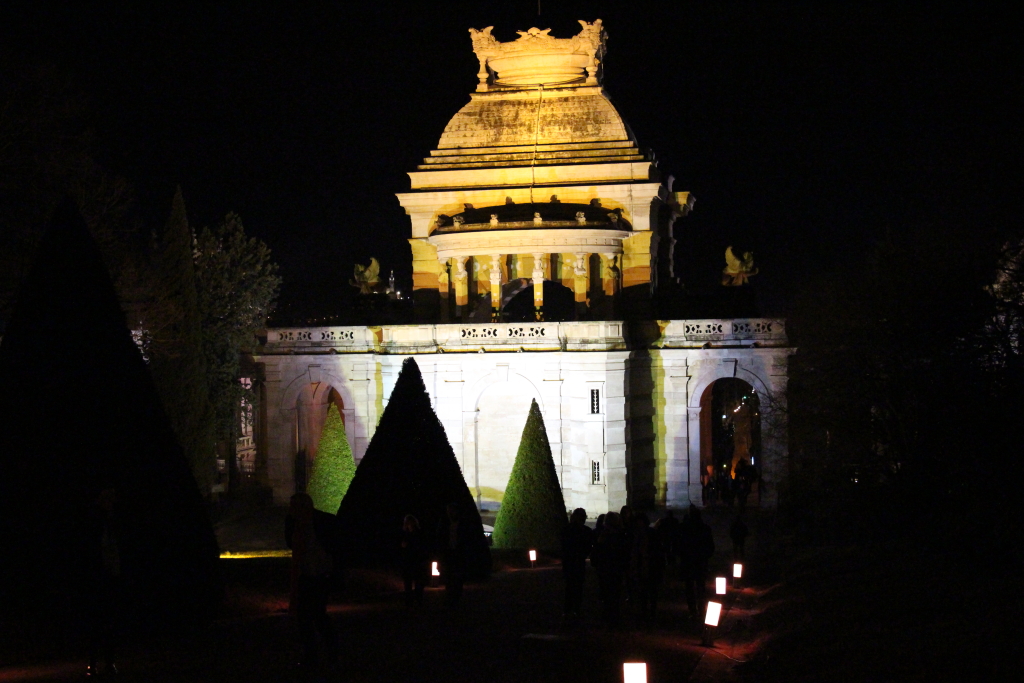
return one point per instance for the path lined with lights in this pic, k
(507, 629)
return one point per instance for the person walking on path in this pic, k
(652, 551)
(668, 532)
(698, 545)
(610, 557)
(453, 541)
(312, 540)
(415, 559)
(577, 542)
(738, 532)
(104, 596)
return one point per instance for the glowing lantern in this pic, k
(737, 571)
(433, 569)
(714, 614)
(533, 557)
(720, 585)
(634, 672)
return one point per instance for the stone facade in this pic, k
(624, 422)
(538, 180)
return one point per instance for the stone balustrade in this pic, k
(570, 336)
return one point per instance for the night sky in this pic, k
(804, 132)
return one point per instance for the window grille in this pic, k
(595, 401)
(595, 472)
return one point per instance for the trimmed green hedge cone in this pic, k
(334, 466)
(532, 511)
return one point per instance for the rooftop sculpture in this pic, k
(538, 58)
(737, 271)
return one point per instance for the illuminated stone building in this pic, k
(540, 232)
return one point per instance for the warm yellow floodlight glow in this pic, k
(720, 585)
(634, 672)
(433, 569)
(714, 612)
(737, 571)
(533, 556)
(255, 554)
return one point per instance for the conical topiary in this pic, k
(409, 468)
(532, 511)
(74, 423)
(334, 467)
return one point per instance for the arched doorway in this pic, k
(311, 407)
(501, 414)
(730, 453)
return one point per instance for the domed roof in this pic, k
(545, 117)
(539, 103)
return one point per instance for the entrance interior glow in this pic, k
(720, 585)
(737, 571)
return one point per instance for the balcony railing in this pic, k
(571, 336)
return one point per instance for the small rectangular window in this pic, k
(595, 472)
(595, 401)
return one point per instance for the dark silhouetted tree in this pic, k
(532, 512)
(174, 343)
(409, 468)
(74, 422)
(334, 467)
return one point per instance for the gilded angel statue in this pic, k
(366, 277)
(737, 272)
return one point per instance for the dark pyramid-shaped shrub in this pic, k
(409, 468)
(334, 467)
(532, 512)
(79, 412)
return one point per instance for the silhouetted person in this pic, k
(105, 595)
(312, 540)
(610, 557)
(415, 560)
(698, 545)
(738, 532)
(577, 542)
(453, 542)
(652, 573)
(668, 532)
(725, 490)
(745, 476)
(707, 485)
(598, 526)
(626, 517)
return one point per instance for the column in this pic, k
(538, 286)
(610, 274)
(461, 287)
(695, 433)
(443, 289)
(580, 283)
(495, 287)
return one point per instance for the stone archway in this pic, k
(311, 405)
(500, 413)
(730, 442)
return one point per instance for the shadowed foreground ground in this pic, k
(507, 629)
(826, 613)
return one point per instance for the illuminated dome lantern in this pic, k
(537, 179)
